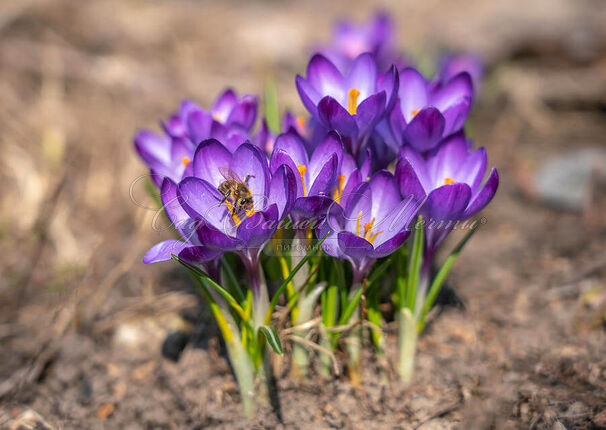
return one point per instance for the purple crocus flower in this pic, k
(451, 65)
(372, 224)
(317, 175)
(191, 248)
(449, 182)
(426, 113)
(225, 227)
(375, 36)
(166, 156)
(351, 104)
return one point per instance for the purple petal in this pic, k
(280, 158)
(335, 117)
(408, 181)
(324, 180)
(458, 88)
(201, 199)
(455, 116)
(210, 161)
(331, 144)
(162, 251)
(198, 254)
(249, 161)
(282, 190)
(175, 212)
(256, 230)
(385, 194)
(217, 240)
(447, 203)
(413, 92)
(225, 103)
(370, 111)
(359, 208)
(199, 124)
(362, 76)
(325, 78)
(152, 147)
(309, 96)
(312, 206)
(355, 247)
(484, 196)
(389, 246)
(425, 130)
(292, 145)
(245, 112)
(390, 83)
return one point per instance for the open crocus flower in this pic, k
(449, 182)
(352, 103)
(317, 175)
(372, 224)
(191, 248)
(166, 156)
(236, 197)
(427, 113)
(376, 36)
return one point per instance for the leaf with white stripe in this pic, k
(271, 334)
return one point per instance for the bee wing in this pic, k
(229, 174)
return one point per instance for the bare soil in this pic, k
(82, 320)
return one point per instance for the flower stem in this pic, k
(299, 316)
(354, 340)
(407, 344)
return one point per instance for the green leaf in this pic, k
(273, 339)
(438, 281)
(414, 266)
(378, 272)
(231, 278)
(274, 300)
(351, 307)
(272, 110)
(209, 281)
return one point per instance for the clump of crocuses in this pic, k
(328, 216)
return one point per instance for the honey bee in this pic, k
(236, 191)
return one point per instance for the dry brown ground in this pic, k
(82, 320)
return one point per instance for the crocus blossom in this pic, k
(427, 113)
(350, 103)
(317, 176)
(372, 224)
(453, 64)
(449, 182)
(224, 227)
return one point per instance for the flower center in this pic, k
(352, 101)
(302, 170)
(185, 161)
(414, 112)
(338, 191)
(368, 234)
(448, 181)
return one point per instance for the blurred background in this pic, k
(82, 320)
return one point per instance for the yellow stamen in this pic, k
(185, 161)
(301, 122)
(374, 236)
(338, 191)
(358, 224)
(368, 228)
(235, 216)
(448, 181)
(415, 112)
(352, 101)
(302, 170)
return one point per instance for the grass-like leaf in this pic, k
(273, 339)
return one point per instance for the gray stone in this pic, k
(564, 181)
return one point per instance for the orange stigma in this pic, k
(185, 161)
(302, 170)
(448, 181)
(352, 101)
(301, 122)
(338, 191)
(415, 112)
